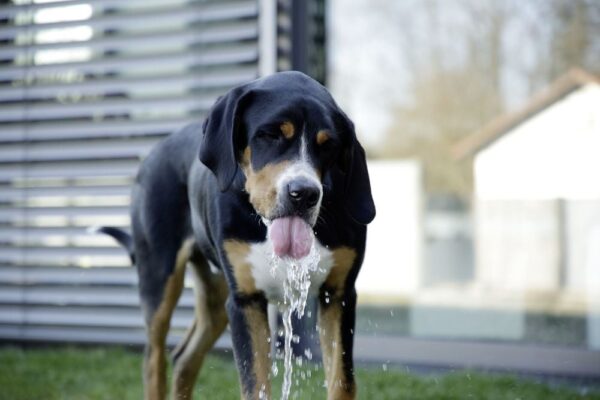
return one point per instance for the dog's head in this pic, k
(286, 133)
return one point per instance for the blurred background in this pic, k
(481, 120)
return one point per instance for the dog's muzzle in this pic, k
(291, 233)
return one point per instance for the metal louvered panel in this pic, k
(61, 130)
(87, 87)
(86, 90)
(301, 39)
(97, 87)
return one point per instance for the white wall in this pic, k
(555, 154)
(517, 245)
(521, 241)
(394, 240)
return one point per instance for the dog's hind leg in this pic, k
(159, 292)
(210, 321)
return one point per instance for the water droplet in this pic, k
(308, 354)
(262, 394)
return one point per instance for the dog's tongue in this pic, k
(291, 236)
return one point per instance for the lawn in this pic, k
(110, 373)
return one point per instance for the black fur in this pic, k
(122, 237)
(191, 186)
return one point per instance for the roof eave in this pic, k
(498, 126)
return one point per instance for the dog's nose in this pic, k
(303, 194)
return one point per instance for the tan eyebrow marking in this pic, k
(322, 137)
(287, 128)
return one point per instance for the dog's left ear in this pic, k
(222, 137)
(359, 200)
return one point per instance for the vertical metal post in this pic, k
(267, 37)
(563, 242)
(300, 38)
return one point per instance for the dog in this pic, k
(275, 168)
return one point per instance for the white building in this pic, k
(537, 195)
(393, 261)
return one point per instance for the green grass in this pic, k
(110, 374)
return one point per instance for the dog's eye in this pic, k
(268, 135)
(329, 146)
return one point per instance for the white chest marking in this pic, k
(270, 280)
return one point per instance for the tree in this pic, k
(466, 58)
(456, 86)
(573, 36)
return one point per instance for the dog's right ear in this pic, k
(222, 137)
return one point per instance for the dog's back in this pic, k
(276, 169)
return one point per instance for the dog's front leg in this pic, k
(337, 314)
(247, 312)
(336, 332)
(250, 336)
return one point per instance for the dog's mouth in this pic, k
(291, 236)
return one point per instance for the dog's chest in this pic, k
(269, 276)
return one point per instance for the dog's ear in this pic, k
(222, 136)
(359, 200)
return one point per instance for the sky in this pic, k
(365, 73)
(368, 73)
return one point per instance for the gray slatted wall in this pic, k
(86, 88)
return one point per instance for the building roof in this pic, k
(500, 125)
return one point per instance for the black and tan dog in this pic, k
(275, 162)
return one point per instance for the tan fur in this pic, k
(259, 332)
(260, 185)
(343, 260)
(331, 346)
(258, 326)
(237, 253)
(246, 158)
(287, 128)
(322, 137)
(210, 321)
(155, 362)
(330, 327)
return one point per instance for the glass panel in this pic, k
(484, 174)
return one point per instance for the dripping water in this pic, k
(295, 293)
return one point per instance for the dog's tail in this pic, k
(123, 238)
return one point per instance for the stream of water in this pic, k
(295, 292)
